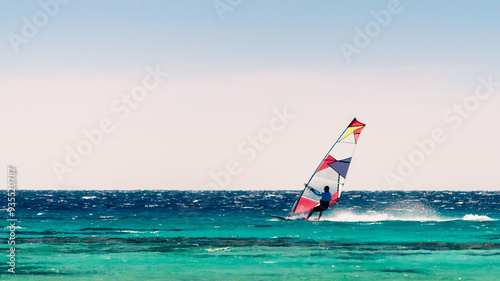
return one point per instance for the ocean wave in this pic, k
(223, 244)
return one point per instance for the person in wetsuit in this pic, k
(324, 202)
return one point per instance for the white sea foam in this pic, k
(226, 249)
(107, 218)
(347, 216)
(374, 217)
(129, 231)
(477, 218)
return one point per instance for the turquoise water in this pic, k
(225, 235)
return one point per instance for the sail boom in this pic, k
(328, 180)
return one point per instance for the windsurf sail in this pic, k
(332, 171)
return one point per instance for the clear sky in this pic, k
(256, 93)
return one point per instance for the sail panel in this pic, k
(305, 204)
(341, 166)
(326, 163)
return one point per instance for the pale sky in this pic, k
(256, 93)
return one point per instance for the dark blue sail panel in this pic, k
(341, 166)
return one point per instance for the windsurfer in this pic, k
(324, 202)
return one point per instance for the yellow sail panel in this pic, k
(349, 131)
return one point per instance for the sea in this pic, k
(228, 235)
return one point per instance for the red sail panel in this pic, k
(355, 123)
(335, 198)
(356, 133)
(305, 204)
(328, 160)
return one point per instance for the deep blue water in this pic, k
(215, 235)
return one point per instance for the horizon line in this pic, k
(251, 190)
